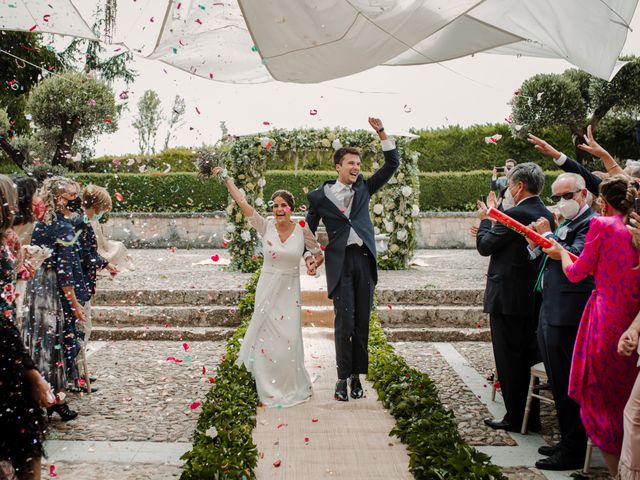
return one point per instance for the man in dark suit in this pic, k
(508, 299)
(560, 312)
(350, 256)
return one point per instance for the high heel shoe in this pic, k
(63, 410)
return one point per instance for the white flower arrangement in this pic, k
(378, 209)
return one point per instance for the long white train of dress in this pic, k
(272, 348)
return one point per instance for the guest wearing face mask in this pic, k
(508, 299)
(601, 380)
(56, 294)
(562, 304)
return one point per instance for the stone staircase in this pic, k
(406, 315)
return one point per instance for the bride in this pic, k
(272, 349)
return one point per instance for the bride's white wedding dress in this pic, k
(272, 348)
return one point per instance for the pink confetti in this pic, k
(198, 21)
(211, 75)
(33, 28)
(314, 420)
(116, 161)
(313, 111)
(45, 18)
(198, 110)
(212, 380)
(277, 463)
(185, 345)
(118, 196)
(179, 5)
(282, 425)
(266, 123)
(302, 223)
(204, 370)
(194, 405)
(173, 359)
(306, 439)
(215, 258)
(152, 19)
(225, 244)
(390, 306)
(52, 471)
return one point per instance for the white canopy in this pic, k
(308, 41)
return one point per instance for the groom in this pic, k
(343, 207)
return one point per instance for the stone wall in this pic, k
(206, 230)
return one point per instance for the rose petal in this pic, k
(194, 405)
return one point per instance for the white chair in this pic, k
(537, 372)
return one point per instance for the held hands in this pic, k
(628, 342)
(28, 272)
(312, 266)
(78, 311)
(543, 147)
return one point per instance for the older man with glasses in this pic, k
(561, 306)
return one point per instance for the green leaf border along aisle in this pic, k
(223, 446)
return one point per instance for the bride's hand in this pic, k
(216, 171)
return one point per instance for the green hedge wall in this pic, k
(186, 192)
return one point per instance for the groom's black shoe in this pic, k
(356, 387)
(341, 391)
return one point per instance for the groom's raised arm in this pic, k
(391, 159)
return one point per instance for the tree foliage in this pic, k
(574, 99)
(71, 107)
(19, 75)
(148, 121)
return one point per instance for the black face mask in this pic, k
(74, 205)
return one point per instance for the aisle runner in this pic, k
(323, 438)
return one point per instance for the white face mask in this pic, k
(508, 201)
(568, 208)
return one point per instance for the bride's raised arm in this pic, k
(255, 219)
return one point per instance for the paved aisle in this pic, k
(346, 440)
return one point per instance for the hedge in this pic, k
(186, 192)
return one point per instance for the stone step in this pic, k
(169, 297)
(430, 334)
(311, 298)
(168, 315)
(445, 296)
(161, 333)
(318, 316)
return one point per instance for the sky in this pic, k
(466, 91)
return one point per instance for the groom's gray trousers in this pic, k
(352, 300)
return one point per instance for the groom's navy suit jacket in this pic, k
(338, 225)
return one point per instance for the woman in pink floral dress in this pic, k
(601, 380)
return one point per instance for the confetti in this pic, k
(211, 75)
(31, 30)
(118, 196)
(390, 306)
(185, 345)
(306, 440)
(194, 405)
(302, 223)
(277, 463)
(313, 111)
(173, 359)
(45, 18)
(282, 425)
(225, 244)
(108, 120)
(204, 370)
(52, 471)
(115, 161)
(314, 420)
(124, 95)
(215, 258)
(266, 123)
(407, 109)
(198, 110)
(198, 21)
(212, 380)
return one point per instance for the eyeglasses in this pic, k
(566, 196)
